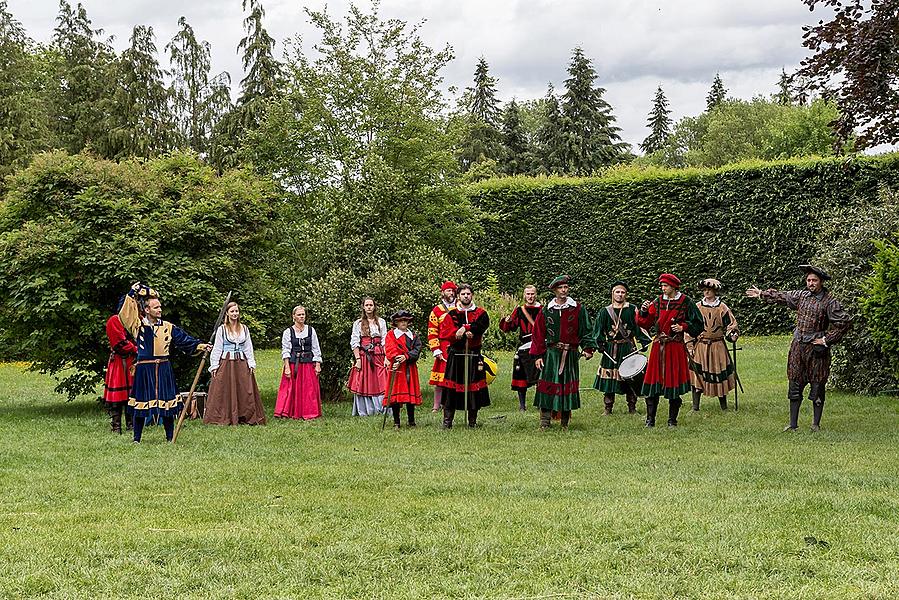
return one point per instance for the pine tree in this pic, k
(263, 81)
(659, 123)
(591, 138)
(199, 100)
(140, 121)
(24, 119)
(482, 102)
(550, 143)
(516, 156)
(784, 94)
(482, 140)
(84, 75)
(717, 94)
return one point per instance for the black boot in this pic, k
(673, 410)
(522, 400)
(395, 409)
(697, 396)
(545, 417)
(566, 417)
(410, 414)
(449, 412)
(631, 398)
(794, 394)
(609, 401)
(472, 418)
(129, 420)
(816, 395)
(652, 404)
(722, 400)
(114, 410)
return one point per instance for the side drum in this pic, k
(632, 369)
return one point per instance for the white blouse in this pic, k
(224, 344)
(307, 330)
(356, 335)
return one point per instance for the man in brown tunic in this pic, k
(820, 322)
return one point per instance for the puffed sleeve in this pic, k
(382, 325)
(415, 348)
(647, 318)
(215, 356)
(840, 321)
(183, 341)
(480, 324)
(538, 338)
(789, 299)
(285, 344)
(585, 330)
(356, 335)
(248, 350)
(316, 349)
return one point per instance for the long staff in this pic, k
(190, 396)
(389, 398)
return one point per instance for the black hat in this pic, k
(816, 270)
(622, 284)
(710, 283)
(401, 315)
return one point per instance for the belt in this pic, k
(153, 361)
(564, 348)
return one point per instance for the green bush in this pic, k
(75, 232)
(846, 245)
(881, 306)
(744, 224)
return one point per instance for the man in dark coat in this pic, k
(821, 322)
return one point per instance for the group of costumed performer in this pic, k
(154, 393)
(299, 394)
(561, 331)
(712, 370)
(522, 319)
(368, 375)
(402, 349)
(464, 382)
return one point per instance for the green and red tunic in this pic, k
(559, 331)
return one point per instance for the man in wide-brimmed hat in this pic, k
(670, 315)
(821, 322)
(713, 373)
(439, 348)
(561, 329)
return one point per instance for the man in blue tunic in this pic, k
(154, 392)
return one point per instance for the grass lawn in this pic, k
(725, 506)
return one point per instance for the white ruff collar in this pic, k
(713, 304)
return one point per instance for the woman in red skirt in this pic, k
(368, 377)
(299, 395)
(403, 348)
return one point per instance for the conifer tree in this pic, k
(550, 143)
(784, 94)
(141, 123)
(591, 139)
(482, 102)
(659, 124)
(84, 79)
(516, 156)
(717, 94)
(482, 140)
(199, 100)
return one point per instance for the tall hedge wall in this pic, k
(745, 224)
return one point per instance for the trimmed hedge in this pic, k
(744, 224)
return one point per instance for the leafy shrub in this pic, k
(881, 306)
(75, 232)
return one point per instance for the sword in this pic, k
(466, 374)
(736, 377)
(389, 396)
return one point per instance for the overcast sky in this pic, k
(635, 45)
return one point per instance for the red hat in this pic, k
(670, 279)
(448, 285)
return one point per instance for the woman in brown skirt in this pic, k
(233, 393)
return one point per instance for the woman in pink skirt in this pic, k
(368, 377)
(299, 396)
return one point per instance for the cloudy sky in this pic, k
(635, 45)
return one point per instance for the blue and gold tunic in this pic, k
(154, 391)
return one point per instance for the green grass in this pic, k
(718, 508)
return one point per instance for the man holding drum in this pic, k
(616, 334)
(667, 373)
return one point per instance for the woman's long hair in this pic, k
(366, 329)
(227, 322)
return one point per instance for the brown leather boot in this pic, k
(631, 398)
(545, 417)
(114, 410)
(566, 417)
(609, 401)
(697, 396)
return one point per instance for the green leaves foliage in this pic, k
(75, 232)
(746, 224)
(881, 306)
